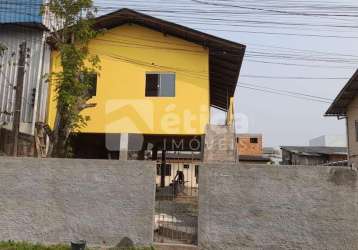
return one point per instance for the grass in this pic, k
(11, 245)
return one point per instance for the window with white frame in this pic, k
(160, 84)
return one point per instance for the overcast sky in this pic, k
(282, 120)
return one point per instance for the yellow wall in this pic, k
(127, 53)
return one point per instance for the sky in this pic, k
(318, 46)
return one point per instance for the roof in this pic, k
(255, 158)
(225, 57)
(248, 135)
(316, 151)
(344, 98)
(37, 26)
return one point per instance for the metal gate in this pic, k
(176, 210)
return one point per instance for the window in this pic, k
(196, 170)
(168, 170)
(186, 166)
(197, 174)
(160, 84)
(254, 140)
(91, 80)
(356, 125)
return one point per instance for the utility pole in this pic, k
(18, 97)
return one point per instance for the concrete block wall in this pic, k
(220, 144)
(58, 200)
(277, 207)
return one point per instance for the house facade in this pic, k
(155, 88)
(345, 106)
(22, 24)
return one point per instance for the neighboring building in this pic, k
(188, 163)
(345, 106)
(155, 89)
(21, 23)
(250, 149)
(311, 156)
(329, 141)
(274, 154)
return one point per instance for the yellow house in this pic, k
(157, 83)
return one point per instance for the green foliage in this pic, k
(132, 248)
(72, 89)
(2, 49)
(11, 245)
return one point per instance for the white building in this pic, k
(329, 141)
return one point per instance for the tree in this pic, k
(72, 83)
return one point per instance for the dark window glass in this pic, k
(168, 169)
(160, 84)
(196, 170)
(152, 85)
(254, 140)
(186, 166)
(197, 173)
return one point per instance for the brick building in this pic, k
(250, 148)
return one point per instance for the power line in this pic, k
(293, 77)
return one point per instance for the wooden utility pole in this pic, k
(18, 97)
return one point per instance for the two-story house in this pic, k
(157, 84)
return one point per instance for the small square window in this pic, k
(254, 140)
(186, 166)
(160, 84)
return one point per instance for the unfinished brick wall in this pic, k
(246, 147)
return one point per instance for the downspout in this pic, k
(39, 79)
